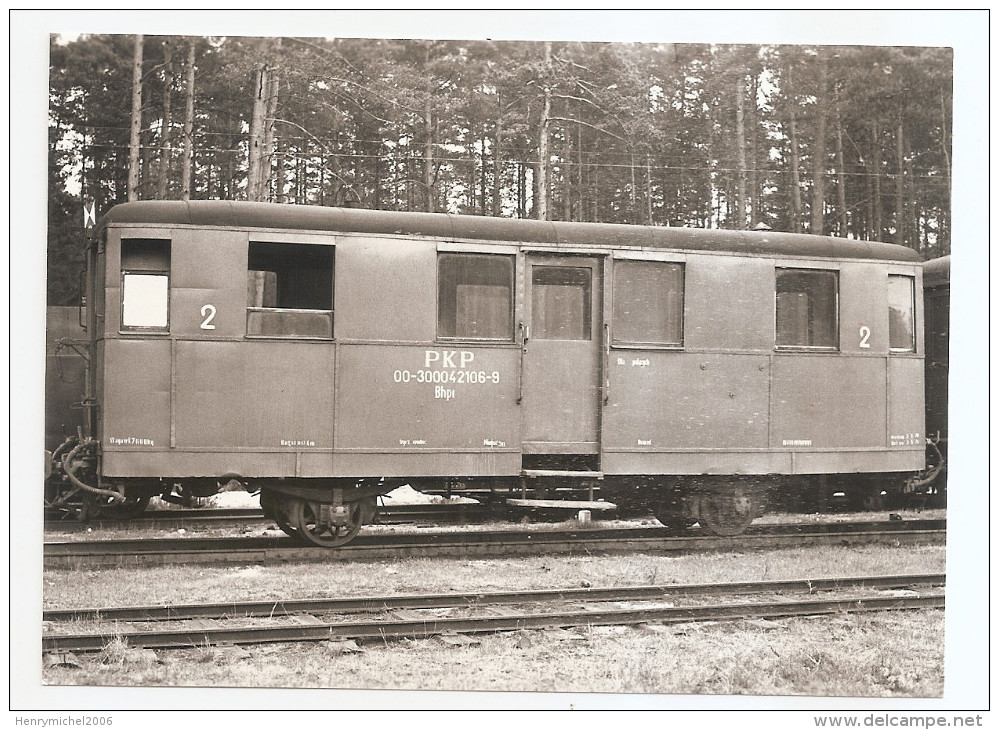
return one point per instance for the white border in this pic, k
(965, 31)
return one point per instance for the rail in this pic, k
(399, 617)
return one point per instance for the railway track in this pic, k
(421, 616)
(373, 546)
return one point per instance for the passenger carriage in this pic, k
(325, 356)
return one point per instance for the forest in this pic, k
(851, 141)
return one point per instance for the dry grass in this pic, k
(196, 584)
(884, 655)
(897, 654)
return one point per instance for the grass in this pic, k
(210, 583)
(877, 655)
(891, 654)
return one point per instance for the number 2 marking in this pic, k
(208, 312)
(865, 335)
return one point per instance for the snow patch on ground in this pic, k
(403, 495)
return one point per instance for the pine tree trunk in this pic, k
(541, 201)
(497, 163)
(270, 113)
(755, 214)
(280, 180)
(900, 222)
(428, 155)
(841, 174)
(632, 190)
(161, 188)
(943, 228)
(795, 176)
(254, 162)
(819, 161)
(580, 203)
(483, 176)
(869, 188)
(740, 144)
(522, 173)
(185, 190)
(134, 137)
(876, 176)
(567, 186)
(648, 190)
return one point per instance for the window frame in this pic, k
(511, 260)
(585, 284)
(301, 247)
(132, 263)
(680, 266)
(145, 329)
(835, 309)
(911, 348)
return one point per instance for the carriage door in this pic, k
(561, 367)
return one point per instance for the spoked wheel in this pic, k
(728, 513)
(275, 507)
(305, 519)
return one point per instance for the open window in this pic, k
(289, 290)
(901, 314)
(807, 309)
(145, 285)
(475, 296)
(648, 303)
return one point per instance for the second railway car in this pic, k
(324, 356)
(936, 304)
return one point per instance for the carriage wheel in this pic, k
(673, 520)
(276, 508)
(728, 513)
(305, 519)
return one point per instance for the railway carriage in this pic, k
(936, 299)
(325, 356)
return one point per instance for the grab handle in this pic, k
(525, 335)
(606, 362)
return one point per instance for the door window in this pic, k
(560, 302)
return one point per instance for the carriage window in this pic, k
(648, 303)
(145, 285)
(475, 296)
(560, 302)
(901, 317)
(289, 290)
(807, 308)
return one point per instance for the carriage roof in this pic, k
(936, 272)
(233, 214)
